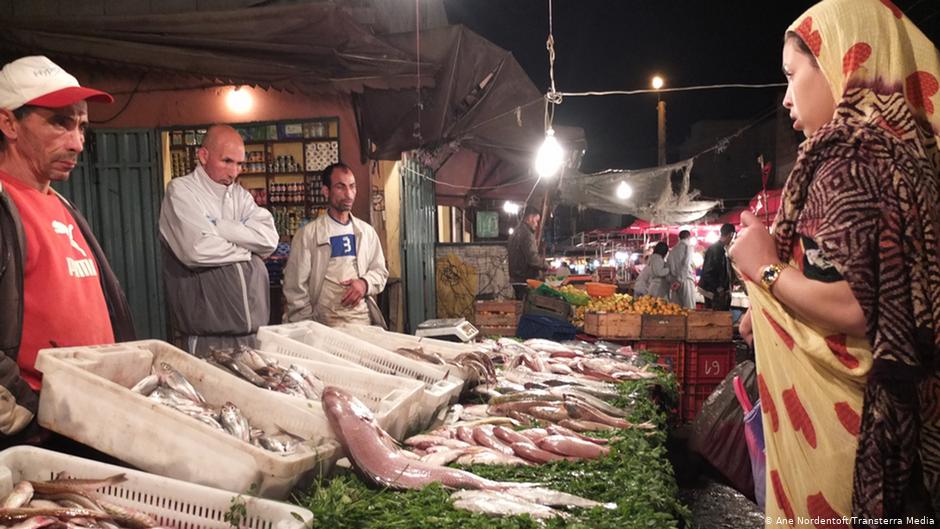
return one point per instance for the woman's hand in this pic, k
(745, 329)
(753, 248)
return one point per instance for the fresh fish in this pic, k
(524, 418)
(483, 436)
(418, 353)
(443, 457)
(453, 415)
(572, 446)
(176, 381)
(35, 522)
(475, 410)
(76, 500)
(235, 422)
(278, 443)
(585, 426)
(486, 390)
(583, 396)
(42, 504)
(560, 369)
(361, 437)
(146, 385)
(22, 493)
(580, 410)
(426, 441)
(127, 517)
(465, 434)
(532, 394)
(554, 498)
(481, 455)
(310, 384)
(508, 436)
(25, 513)
(58, 486)
(548, 346)
(553, 413)
(530, 452)
(494, 420)
(231, 361)
(561, 430)
(533, 434)
(497, 504)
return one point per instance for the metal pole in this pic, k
(661, 130)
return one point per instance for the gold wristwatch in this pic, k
(770, 274)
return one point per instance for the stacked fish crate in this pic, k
(313, 341)
(87, 396)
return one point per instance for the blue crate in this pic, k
(539, 326)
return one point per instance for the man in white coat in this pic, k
(214, 239)
(336, 264)
(679, 261)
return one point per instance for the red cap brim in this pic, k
(69, 96)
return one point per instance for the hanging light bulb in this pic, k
(624, 191)
(239, 100)
(550, 156)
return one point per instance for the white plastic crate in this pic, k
(393, 340)
(393, 400)
(171, 502)
(86, 397)
(311, 340)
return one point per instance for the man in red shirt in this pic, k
(56, 287)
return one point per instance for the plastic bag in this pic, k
(718, 431)
(754, 437)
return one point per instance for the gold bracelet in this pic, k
(770, 274)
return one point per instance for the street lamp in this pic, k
(657, 84)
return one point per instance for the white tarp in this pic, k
(653, 198)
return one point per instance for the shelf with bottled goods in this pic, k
(283, 168)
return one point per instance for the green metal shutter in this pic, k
(117, 187)
(419, 233)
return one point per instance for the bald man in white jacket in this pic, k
(215, 239)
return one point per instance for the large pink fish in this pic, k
(366, 444)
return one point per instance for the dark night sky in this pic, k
(621, 44)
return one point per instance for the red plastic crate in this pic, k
(671, 355)
(708, 362)
(692, 399)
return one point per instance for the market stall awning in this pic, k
(480, 125)
(306, 48)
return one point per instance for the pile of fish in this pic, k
(169, 387)
(68, 503)
(381, 460)
(266, 372)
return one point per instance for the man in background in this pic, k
(715, 282)
(336, 265)
(523, 250)
(679, 262)
(215, 239)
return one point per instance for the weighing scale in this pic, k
(451, 329)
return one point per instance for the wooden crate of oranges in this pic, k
(613, 325)
(498, 318)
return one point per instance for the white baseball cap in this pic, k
(37, 81)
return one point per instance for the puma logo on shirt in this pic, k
(76, 267)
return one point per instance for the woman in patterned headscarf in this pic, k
(845, 294)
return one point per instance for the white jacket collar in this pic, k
(216, 188)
